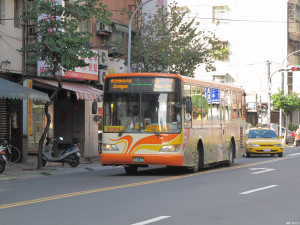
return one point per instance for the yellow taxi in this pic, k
(260, 140)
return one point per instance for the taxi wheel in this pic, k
(248, 155)
(279, 154)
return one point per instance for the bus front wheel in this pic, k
(195, 168)
(130, 169)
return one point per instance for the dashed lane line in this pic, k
(151, 220)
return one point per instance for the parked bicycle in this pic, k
(12, 153)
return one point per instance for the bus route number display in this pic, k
(144, 84)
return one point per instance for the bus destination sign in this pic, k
(141, 84)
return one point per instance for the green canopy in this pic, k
(12, 90)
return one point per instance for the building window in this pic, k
(2, 11)
(85, 26)
(17, 12)
(132, 8)
(220, 14)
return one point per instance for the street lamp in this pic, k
(129, 35)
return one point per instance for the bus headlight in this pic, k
(169, 148)
(109, 147)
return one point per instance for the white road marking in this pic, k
(262, 170)
(294, 154)
(151, 220)
(258, 189)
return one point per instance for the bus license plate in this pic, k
(138, 159)
(267, 149)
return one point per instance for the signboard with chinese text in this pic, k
(89, 72)
(142, 84)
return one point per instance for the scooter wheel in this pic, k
(2, 167)
(75, 161)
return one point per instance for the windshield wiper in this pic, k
(123, 130)
(155, 132)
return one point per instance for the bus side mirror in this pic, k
(94, 107)
(188, 105)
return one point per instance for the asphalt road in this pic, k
(257, 190)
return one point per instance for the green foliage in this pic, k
(288, 103)
(166, 41)
(293, 126)
(60, 43)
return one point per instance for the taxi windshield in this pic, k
(262, 134)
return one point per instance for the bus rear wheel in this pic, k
(231, 154)
(131, 169)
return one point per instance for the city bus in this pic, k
(171, 120)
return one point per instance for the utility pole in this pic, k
(269, 93)
(129, 35)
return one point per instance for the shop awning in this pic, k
(13, 90)
(82, 91)
(121, 28)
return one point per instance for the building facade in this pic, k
(71, 111)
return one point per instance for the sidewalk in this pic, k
(15, 171)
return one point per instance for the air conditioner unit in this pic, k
(103, 57)
(101, 27)
(101, 76)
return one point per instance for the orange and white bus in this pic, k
(172, 120)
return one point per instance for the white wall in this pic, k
(11, 40)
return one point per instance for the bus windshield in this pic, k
(142, 112)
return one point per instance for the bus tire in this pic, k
(195, 167)
(130, 169)
(230, 161)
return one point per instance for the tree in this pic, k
(288, 103)
(165, 42)
(60, 43)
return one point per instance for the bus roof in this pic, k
(184, 79)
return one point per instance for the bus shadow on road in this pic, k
(167, 171)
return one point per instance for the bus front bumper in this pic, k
(123, 159)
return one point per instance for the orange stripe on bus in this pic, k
(123, 159)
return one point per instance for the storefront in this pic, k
(71, 114)
(13, 97)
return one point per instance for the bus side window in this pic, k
(244, 106)
(222, 105)
(227, 99)
(215, 106)
(208, 98)
(239, 104)
(196, 101)
(234, 106)
(188, 104)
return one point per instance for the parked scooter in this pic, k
(68, 155)
(2, 159)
